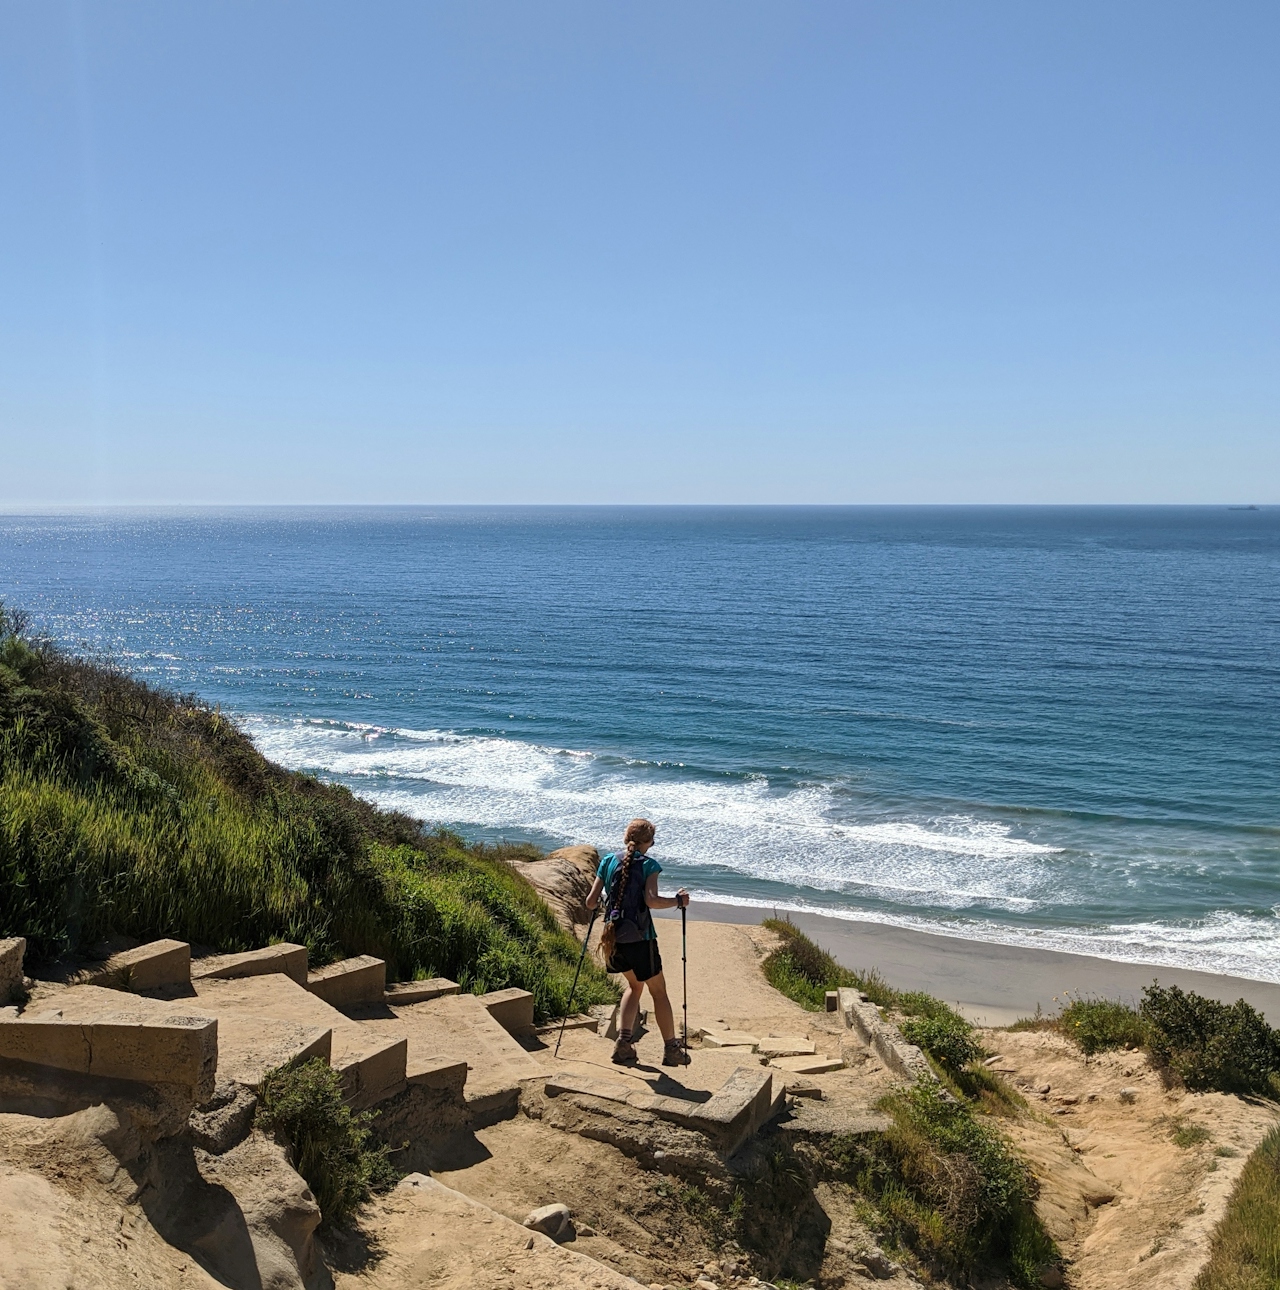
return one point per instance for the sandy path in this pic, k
(993, 984)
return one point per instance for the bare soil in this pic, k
(1129, 1207)
(86, 1203)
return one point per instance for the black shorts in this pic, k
(640, 957)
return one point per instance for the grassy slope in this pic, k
(126, 810)
(1245, 1254)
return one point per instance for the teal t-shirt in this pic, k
(609, 867)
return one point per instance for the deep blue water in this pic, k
(1050, 726)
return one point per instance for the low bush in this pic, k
(1187, 1136)
(804, 971)
(947, 1185)
(1039, 1020)
(329, 1145)
(947, 1037)
(1207, 1044)
(1244, 1253)
(1100, 1024)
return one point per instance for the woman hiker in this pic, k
(629, 943)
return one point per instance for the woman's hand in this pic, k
(593, 896)
(682, 899)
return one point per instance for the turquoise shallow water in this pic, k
(1049, 726)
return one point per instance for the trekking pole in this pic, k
(684, 962)
(569, 1006)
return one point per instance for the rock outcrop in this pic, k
(563, 878)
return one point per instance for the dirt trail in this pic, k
(1128, 1205)
(92, 1205)
(641, 1222)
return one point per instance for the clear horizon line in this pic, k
(41, 508)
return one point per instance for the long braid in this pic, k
(608, 937)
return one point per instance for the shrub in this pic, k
(1207, 1044)
(948, 1185)
(327, 1144)
(1100, 1024)
(1244, 1253)
(947, 1037)
(804, 972)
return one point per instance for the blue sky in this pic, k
(543, 252)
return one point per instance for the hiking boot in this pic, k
(624, 1053)
(674, 1054)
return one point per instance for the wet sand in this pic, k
(991, 984)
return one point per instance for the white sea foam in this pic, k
(800, 835)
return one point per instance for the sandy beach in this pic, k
(991, 984)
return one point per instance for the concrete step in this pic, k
(374, 1072)
(12, 951)
(267, 1019)
(159, 965)
(739, 1109)
(786, 1046)
(459, 1028)
(728, 1039)
(288, 959)
(815, 1064)
(447, 1074)
(406, 992)
(350, 982)
(111, 1035)
(511, 1009)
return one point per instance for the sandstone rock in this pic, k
(278, 1212)
(563, 878)
(225, 1120)
(551, 1220)
(878, 1264)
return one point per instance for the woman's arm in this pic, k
(654, 901)
(593, 897)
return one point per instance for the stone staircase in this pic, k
(152, 1017)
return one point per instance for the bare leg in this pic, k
(661, 1006)
(630, 1008)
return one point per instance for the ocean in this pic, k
(1056, 727)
